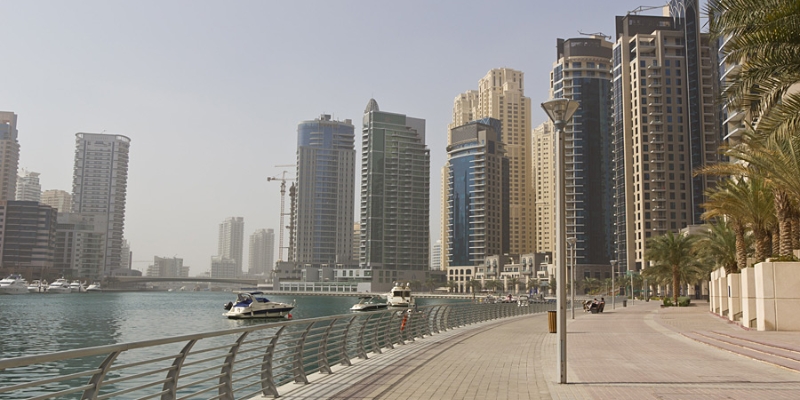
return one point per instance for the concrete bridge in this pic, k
(151, 279)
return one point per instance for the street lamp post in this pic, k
(571, 241)
(560, 111)
(613, 287)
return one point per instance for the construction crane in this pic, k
(595, 34)
(283, 180)
(639, 9)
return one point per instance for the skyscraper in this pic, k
(325, 191)
(582, 72)
(664, 126)
(28, 187)
(58, 199)
(99, 186)
(261, 252)
(501, 95)
(395, 191)
(544, 182)
(231, 241)
(27, 235)
(477, 193)
(9, 155)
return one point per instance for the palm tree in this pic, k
(452, 286)
(431, 284)
(475, 286)
(719, 246)
(673, 255)
(514, 283)
(763, 36)
(591, 284)
(747, 201)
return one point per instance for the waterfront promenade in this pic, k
(638, 352)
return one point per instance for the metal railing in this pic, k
(237, 363)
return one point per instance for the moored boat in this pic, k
(77, 287)
(37, 286)
(250, 305)
(13, 284)
(59, 286)
(369, 303)
(400, 296)
(94, 287)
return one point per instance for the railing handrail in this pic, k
(259, 363)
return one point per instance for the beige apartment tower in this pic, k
(665, 127)
(544, 183)
(501, 95)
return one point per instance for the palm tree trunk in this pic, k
(783, 208)
(776, 242)
(676, 285)
(795, 230)
(741, 249)
(762, 242)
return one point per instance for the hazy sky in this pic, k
(211, 92)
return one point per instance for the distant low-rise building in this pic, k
(222, 267)
(58, 199)
(80, 245)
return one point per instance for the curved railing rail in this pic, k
(236, 363)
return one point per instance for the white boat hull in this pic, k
(249, 306)
(13, 289)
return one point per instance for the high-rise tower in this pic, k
(582, 72)
(501, 95)
(261, 252)
(664, 126)
(231, 241)
(477, 193)
(395, 191)
(325, 191)
(9, 155)
(99, 186)
(28, 187)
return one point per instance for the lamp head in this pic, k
(560, 110)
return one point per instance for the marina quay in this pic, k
(453, 351)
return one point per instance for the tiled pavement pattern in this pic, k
(638, 352)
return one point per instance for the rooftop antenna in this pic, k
(639, 9)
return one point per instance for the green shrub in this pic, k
(683, 301)
(668, 302)
(789, 257)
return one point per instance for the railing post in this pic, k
(268, 387)
(435, 319)
(297, 364)
(387, 333)
(345, 357)
(362, 353)
(324, 365)
(376, 344)
(97, 378)
(171, 385)
(226, 377)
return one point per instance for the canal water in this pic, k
(45, 323)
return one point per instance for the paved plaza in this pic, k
(637, 352)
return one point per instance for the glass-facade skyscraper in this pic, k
(476, 193)
(325, 191)
(582, 72)
(395, 191)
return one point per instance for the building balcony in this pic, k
(656, 149)
(658, 188)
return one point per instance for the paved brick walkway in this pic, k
(638, 352)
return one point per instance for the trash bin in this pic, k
(624, 302)
(551, 321)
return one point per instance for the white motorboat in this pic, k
(251, 305)
(369, 303)
(59, 286)
(14, 284)
(400, 296)
(37, 286)
(94, 287)
(77, 287)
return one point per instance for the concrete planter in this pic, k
(734, 297)
(748, 281)
(777, 287)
